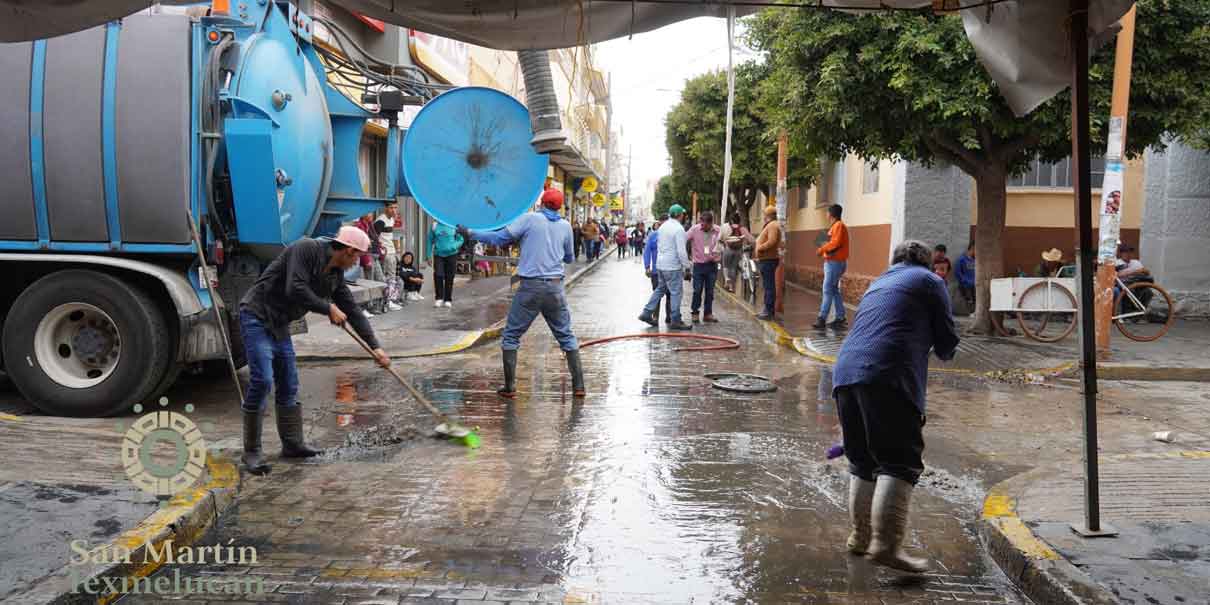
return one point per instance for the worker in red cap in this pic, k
(307, 276)
(546, 244)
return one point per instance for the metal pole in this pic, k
(1078, 33)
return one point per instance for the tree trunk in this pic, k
(991, 187)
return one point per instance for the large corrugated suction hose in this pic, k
(541, 100)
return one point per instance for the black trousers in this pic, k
(444, 269)
(883, 432)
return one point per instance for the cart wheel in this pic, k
(1044, 325)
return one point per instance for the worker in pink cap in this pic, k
(307, 276)
(546, 244)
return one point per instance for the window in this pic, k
(1056, 175)
(869, 178)
(801, 193)
(830, 188)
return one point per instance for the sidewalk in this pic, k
(420, 329)
(1155, 500)
(1178, 355)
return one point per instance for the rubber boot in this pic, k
(509, 390)
(861, 500)
(253, 458)
(892, 505)
(577, 374)
(290, 429)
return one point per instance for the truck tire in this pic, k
(86, 343)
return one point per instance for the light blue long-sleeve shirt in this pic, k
(673, 254)
(546, 243)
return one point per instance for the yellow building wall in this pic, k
(1055, 206)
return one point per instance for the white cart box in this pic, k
(1008, 294)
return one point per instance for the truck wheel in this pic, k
(85, 343)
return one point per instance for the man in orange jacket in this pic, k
(835, 255)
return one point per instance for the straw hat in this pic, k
(1053, 255)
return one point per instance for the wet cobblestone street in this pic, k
(657, 488)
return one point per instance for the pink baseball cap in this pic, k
(354, 238)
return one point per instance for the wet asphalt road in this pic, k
(657, 488)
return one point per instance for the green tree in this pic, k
(908, 86)
(696, 139)
(664, 197)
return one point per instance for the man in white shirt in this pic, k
(385, 224)
(672, 259)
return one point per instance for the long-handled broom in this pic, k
(448, 427)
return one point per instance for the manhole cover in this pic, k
(742, 383)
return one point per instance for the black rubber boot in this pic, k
(253, 458)
(509, 389)
(290, 429)
(577, 373)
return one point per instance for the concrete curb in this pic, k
(1032, 565)
(1121, 371)
(180, 523)
(1036, 568)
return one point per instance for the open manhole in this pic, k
(742, 383)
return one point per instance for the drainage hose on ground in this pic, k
(729, 343)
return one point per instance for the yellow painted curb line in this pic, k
(177, 522)
(11, 418)
(1000, 506)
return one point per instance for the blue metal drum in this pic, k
(468, 160)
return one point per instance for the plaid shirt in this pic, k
(904, 314)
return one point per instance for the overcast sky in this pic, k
(648, 73)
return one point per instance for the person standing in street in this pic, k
(444, 244)
(546, 246)
(705, 240)
(879, 385)
(592, 244)
(835, 256)
(307, 276)
(650, 255)
(735, 238)
(767, 258)
(965, 271)
(622, 241)
(672, 260)
(385, 226)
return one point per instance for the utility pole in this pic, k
(1111, 215)
(783, 143)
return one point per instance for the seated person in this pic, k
(942, 268)
(410, 277)
(1131, 271)
(1052, 262)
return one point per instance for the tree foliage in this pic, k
(696, 139)
(908, 86)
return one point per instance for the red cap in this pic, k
(552, 198)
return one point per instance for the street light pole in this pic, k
(1082, 164)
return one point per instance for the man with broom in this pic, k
(307, 276)
(546, 244)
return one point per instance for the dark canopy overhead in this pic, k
(1022, 42)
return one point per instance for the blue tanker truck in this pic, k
(113, 136)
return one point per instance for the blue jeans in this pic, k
(270, 365)
(538, 297)
(768, 276)
(704, 276)
(671, 284)
(832, 271)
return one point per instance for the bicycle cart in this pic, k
(1046, 307)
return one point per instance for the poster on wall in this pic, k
(1111, 211)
